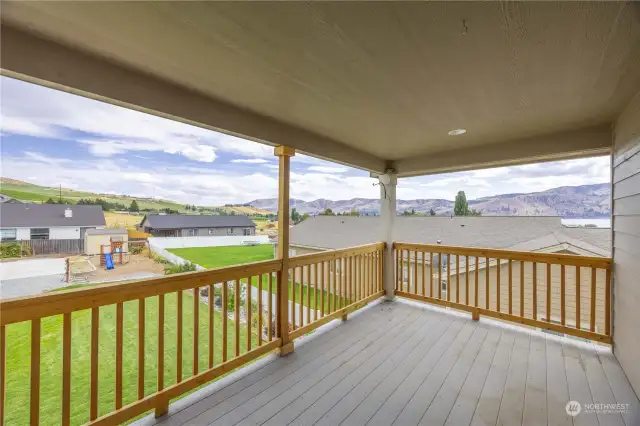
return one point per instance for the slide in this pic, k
(108, 260)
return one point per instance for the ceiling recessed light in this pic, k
(457, 132)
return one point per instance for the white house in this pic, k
(48, 221)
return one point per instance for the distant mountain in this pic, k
(565, 201)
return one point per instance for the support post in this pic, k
(388, 183)
(284, 155)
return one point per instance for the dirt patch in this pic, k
(137, 264)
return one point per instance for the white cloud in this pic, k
(250, 160)
(328, 169)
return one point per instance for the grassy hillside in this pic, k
(25, 191)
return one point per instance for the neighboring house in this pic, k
(48, 221)
(179, 225)
(535, 234)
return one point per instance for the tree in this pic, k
(295, 216)
(327, 212)
(134, 207)
(304, 217)
(461, 206)
(50, 201)
(431, 212)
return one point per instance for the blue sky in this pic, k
(51, 137)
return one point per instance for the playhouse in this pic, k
(106, 240)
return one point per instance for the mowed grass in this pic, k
(18, 357)
(217, 257)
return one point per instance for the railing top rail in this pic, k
(323, 256)
(553, 258)
(43, 305)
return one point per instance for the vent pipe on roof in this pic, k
(68, 212)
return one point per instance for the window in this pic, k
(193, 232)
(39, 233)
(7, 234)
(247, 231)
(212, 231)
(229, 231)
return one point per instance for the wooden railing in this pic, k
(329, 285)
(121, 350)
(149, 316)
(563, 293)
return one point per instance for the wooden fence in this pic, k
(562, 293)
(53, 246)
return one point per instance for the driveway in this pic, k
(31, 276)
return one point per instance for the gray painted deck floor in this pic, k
(402, 364)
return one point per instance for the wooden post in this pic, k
(284, 155)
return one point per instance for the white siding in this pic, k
(23, 233)
(626, 240)
(64, 233)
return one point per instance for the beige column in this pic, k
(284, 155)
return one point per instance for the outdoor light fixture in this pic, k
(457, 132)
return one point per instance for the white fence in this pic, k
(185, 242)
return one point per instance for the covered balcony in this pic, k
(392, 331)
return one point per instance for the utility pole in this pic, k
(60, 196)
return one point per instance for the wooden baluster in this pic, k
(236, 317)
(535, 291)
(510, 287)
(66, 369)
(293, 298)
(397, 277)
(424, 273)
(362, 277)
(315, 291)
(522, 288)
(548, 319)
(196, 329)
(225, 302)
(439, 276)
(486, 279)
(578, 283)
(562, 295)
(160, 378)
(300, 305)
(308, 294)
(247, 314)
(179, 339)
(341, 283)
(34, 403)
(322, 267)
(592, 325)
(448, 278)
(352, 285)
(466, 280)
(259, 330)
(401, 262)
(457, 278)
(415, 272)
(431, 289)
(211, 325)
(498, 294)
(372, 273)
(119, 353)
(269, 308)
(475, 295)
(141, 351)
(3, 375)
(607, 302)
(95, 321)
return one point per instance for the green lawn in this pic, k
(216, 257)
(18, 357)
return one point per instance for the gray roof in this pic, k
(179, 221)
(334, 232)
(106, 231)
(47, 215)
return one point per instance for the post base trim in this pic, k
(286, 349)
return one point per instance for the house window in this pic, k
(7, 234)
(39, 233)
(212, 231)
(247, 231)
(229, 231)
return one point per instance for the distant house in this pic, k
(48, 221)
(178, 225)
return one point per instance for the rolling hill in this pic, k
(567, 201)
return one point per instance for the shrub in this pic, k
(136, 249)
(176, 269)
(13, 249)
